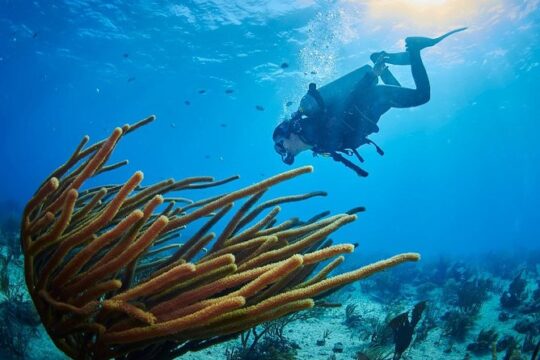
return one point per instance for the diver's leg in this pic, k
(420, 76)
(401, 58)
(416, 42)
(400, 97)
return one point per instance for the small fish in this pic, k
(289, 103)
(173, 125)
(34, 35)
(202, 91)
(313, 72)
(259, 108)
(223, 125)
(207, 156)
(125, 55)
(131, 79)
(97, 90)
(187, 102)
(284, 65)
(229, 91)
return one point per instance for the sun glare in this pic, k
(426, 14)
(425, 2)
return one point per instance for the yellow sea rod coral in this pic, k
(109, 280)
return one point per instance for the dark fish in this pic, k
(327, 304)
(284, 65)
(223, 125)
(289, 103)
(202, 91)
(313, 72)
(187, 102)
(207, 156)
(131, 79)
(125, 55)
(34, 35)
(259, 108)
(355, 210)
(403, 328)
(229, 91)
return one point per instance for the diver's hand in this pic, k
(379, 67)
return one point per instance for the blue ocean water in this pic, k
(459, 176)
(460, 173)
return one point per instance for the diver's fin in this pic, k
(440, 38)
(419, 42)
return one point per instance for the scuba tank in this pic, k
(334, 94)
(337, 93)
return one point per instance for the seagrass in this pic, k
(109, 278)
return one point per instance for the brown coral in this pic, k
(105, 288)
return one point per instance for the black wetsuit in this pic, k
(329, 132)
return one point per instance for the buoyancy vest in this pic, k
(337, 127)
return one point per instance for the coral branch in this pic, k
(131, 310)
(58, 227)
(323, 273)
(81, 259)
(158, 283)
(255, 228)
(231, 226)
(97, 291)
(89, 278)
(297, 246)
(174, 326)
(227, 199)
(285, 199)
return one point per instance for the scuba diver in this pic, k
(337, 118)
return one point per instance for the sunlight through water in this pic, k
(428, 14)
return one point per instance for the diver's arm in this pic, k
(381, 70)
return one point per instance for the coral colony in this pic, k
(108, 279)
